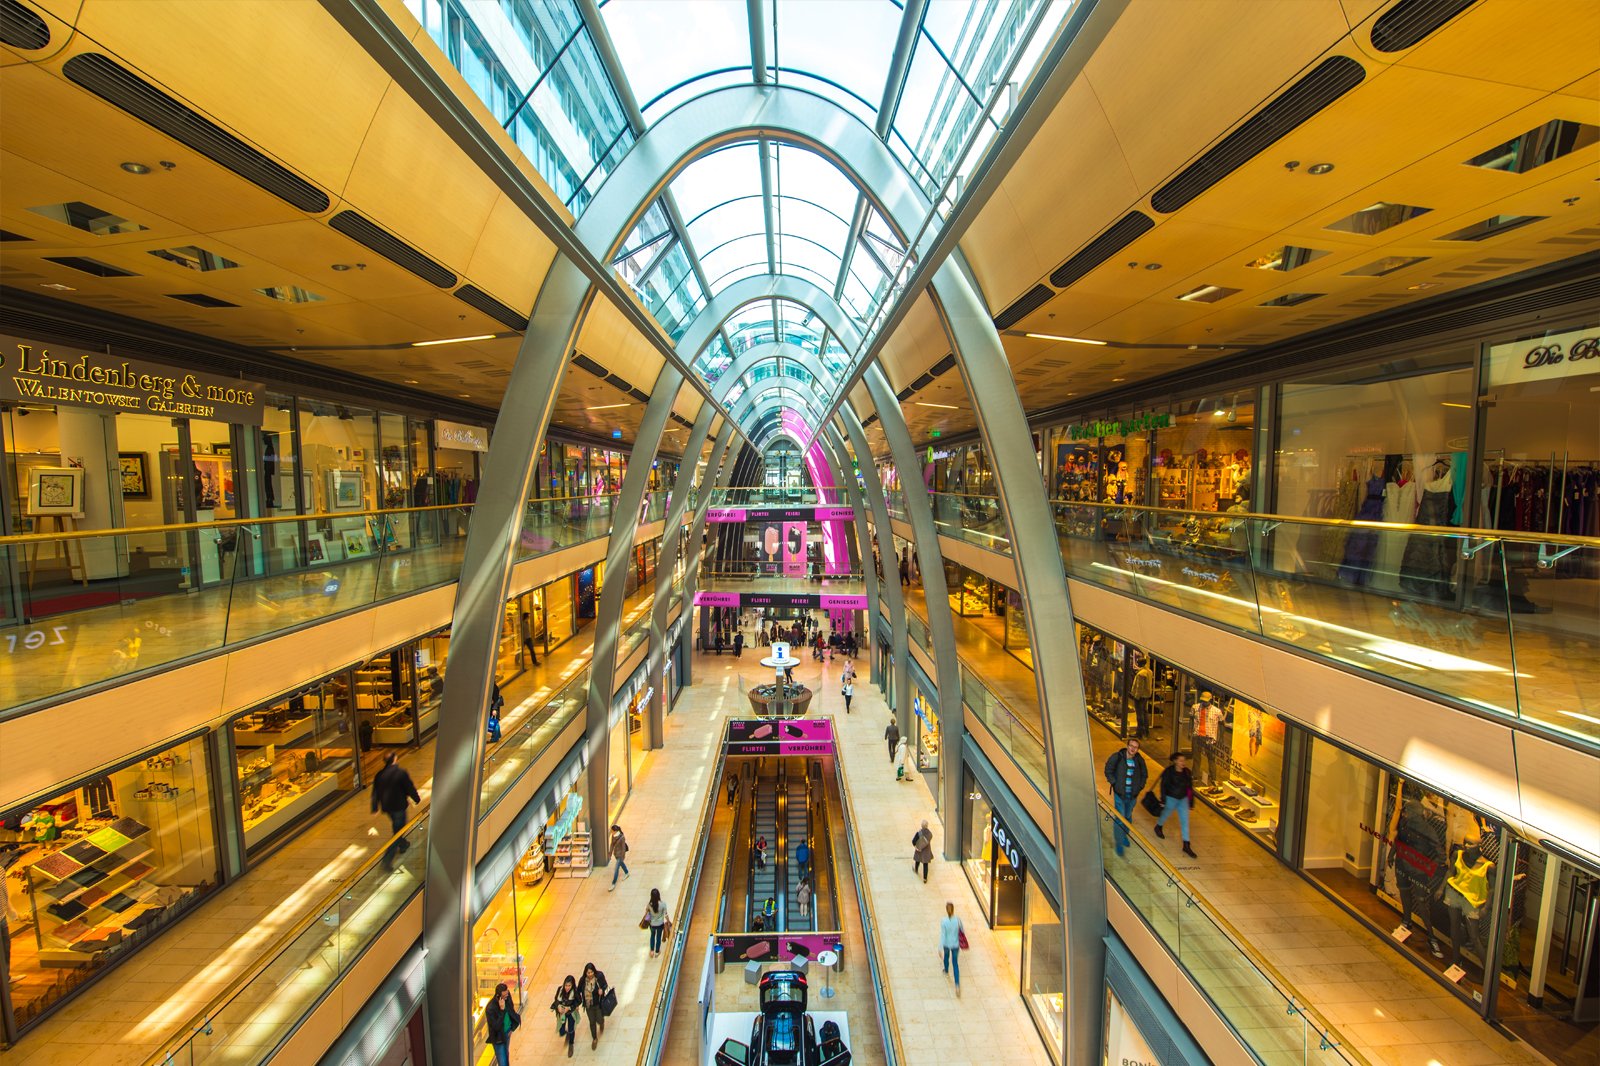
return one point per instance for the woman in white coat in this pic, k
(901, 753)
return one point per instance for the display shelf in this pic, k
(260, 738)
(1266, 810)
(69, 888)
(571, 856)
(268, 821)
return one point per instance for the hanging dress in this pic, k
(1400, 500)
(1361, 546)
(1430, 558)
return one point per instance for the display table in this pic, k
(289, 809)
(260, 738)
(767, 703)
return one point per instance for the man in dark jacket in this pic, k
(892, 735)
(392, 789)
(1177, 789)
(1126, 773)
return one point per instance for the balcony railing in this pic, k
(1505, 622)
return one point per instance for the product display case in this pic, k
(571, 856)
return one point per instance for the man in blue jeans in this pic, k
(1126, 773)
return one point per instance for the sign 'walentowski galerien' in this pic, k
(36, 373)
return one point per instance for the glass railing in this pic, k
(1264, 1010)
(635, 635)
(1507, 622)
(768, 496)
(1021, 741)
(525, 741)
(78, 609)
(918, 630)
(247, 1022)
(975, 519)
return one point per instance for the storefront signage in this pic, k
(797, 736)
(1005, 843)
(36, 373)
(844, 603)
(1119, 428)
(780, 599)
(460, 437)
(780, 514)
(1574, 352)
(1125, 1045)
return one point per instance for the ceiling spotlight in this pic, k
(341, 267)
(1293, 164)
(136, 168)
(167, 164)
(1569, 201)
(1319, 169)
(465, 395)
(1152, 266)
(1119, 379)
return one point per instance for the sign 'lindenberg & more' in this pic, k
(32, 373)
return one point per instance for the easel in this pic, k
(64, 549)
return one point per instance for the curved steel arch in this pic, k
(765, 389)
(721, 117)
(760, 356)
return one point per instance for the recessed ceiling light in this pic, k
(1064, 340)
(136, 168)
(465, 395)
(1463, 406)
(453, 340)
(1207, 294)
(1319, 169)
(943, 406)
(607, 406)
(411, 381)
(56, 285)
(341, 267)
(1119, 379)
(1152, 266)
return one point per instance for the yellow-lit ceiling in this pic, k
(1169, 82)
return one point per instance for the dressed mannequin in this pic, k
(1207, 719)
(1141, 688)
(1419, 867)
(1465, 894)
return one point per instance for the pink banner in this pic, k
(716, 599)
(725, 514)
(794, 549)
(844, 603)
(836, 514)
(793, 736)
(752, 947)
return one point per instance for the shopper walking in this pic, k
(594, 990)
(951, 934)
(892, 735)
(657, 920)
(922, 850)
(902, 755)
(738, 644)
(733, 791)
(1126, 773)
(802, 858)
(618, 849)
(905, 567)
(849, 690)
(392, 790)
(1177, 789)
(568, 1000)
(527, 639)
(761, 853)
(503, 1019)
(803, 890)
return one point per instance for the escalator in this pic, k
(764, 825)
(797, 828)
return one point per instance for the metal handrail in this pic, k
(894, 1053)
(1284, 986)
(200, 1020)
(265, 520)
(660, 1014)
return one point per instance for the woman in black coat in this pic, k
(568, 1000)
(592, 986)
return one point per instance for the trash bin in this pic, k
(718, 961)
(838, 967)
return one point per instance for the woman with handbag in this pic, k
(598, 1001)
(568, 1000)
(952, 938)
(503, 1019)
(657, 920)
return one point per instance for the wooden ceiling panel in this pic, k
(999, 252)
(295, 54)
(916, 345)
(610, 339)
(512, 256)
(1173, 77)
(439, 315)
(410, 178)
(1074, 312)
(1543, 45)
(1358, 11)
(315, 248)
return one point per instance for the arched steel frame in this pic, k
(699, 125)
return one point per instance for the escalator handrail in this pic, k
(659, 1015)
(889, 1026)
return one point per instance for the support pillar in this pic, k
(718, 472)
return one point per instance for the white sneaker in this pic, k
(612, 887)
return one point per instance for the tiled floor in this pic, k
(1382, 1004)
(139, 1004)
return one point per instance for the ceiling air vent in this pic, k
(199, 299)
(392, 248)
(865, 422)
(145, 102)
(625, 386)
(904, 394)
(944, 366)
(640, 395)
(921, 383)
(1030, 302)
(589, 364)
(1326, 82)
(1409, 21)
(471, 294)
(21, 28)
(1121, 234)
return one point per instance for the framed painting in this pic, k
(357, 545)
(55, 490)
(345, 490)
(135, 470)
(316, 549)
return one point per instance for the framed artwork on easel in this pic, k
(55, 491)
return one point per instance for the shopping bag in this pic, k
(961, 938)
(1152, 804)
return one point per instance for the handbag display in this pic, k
(1152, 803)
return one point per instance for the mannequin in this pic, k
(1418, 861)
(1207, 718)
(1465, 895)
(1141, 688)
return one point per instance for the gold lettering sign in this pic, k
(37, 373)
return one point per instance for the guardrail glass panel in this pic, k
(527, 740)
(1025, 746)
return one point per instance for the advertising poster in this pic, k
(585, 595)
(771, 543)
(794, 549)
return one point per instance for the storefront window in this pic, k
(1017, 641)
(291, 758)
(977, 842)
(1103, 659)
(104, 865)
(926, 714)
(1418, 865)
(559, 620)
(383, 699)
(1383, 443)
(1044, 970)
(1203, 460)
